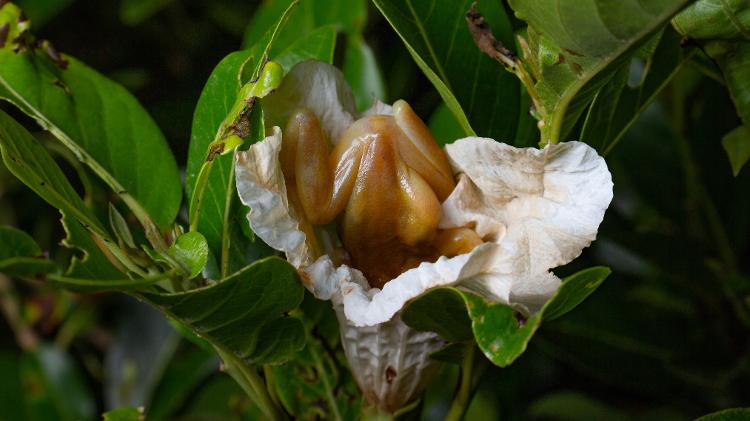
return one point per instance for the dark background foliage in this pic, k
(665, 337)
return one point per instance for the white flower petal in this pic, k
(260, 184)
(389, 361)
(546, 204)
(319, 87)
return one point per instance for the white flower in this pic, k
(535, 209)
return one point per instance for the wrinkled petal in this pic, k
(260, 184)
(389, 361)
(319, 87)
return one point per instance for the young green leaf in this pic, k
(120, 227)
(482, 96)
(20, 255)
(501, 332)
(737, 145)
(575, 47)
(102, 123)
(243, 315)
(190, 252)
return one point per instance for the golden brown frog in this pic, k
(388, 176)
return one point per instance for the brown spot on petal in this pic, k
(390, 374)
(305, 277)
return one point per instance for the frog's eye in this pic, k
(419, 149)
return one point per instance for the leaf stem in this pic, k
(226, 235)
(252, 384)
(463, 396)
(323, 374)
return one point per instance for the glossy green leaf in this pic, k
(721, 27)
(27, 159)
(20, 255)
(190, 252)
(102, 124)
(216, 102)
(618, 104)
(501, 332)
(575, 47)
(124, 414)
(442, 311)
(362, 72)
(573, 290)
(346, 15)
(733, 414)
(715, 19)
(737, 146)
(481, 95)
(444, 126)
(243, 315)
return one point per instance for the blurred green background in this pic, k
(666, 337)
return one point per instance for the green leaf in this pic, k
(362, 72)
(346, 15)
(480, 94)
(120, 227)
(54, 382)
(190, 252)
(102, 124)
(27, 159)
(453, 353)
(501, 332)
(218, 99)
(618, 104)
(737, 145)
(42, 11)
(20, 255)
(575, 47)
(133, 12)
(316, 384)
(96, 262)
(89, 285)
(567, 405)
(182, 377)
(444, 126)
(243, 315)
(733, 414)
(124, 414)
(442, 311)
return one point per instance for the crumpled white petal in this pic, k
(535, 209)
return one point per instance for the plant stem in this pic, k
(463, 397)
(323, 374)
(226, 235)
(252, 384)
